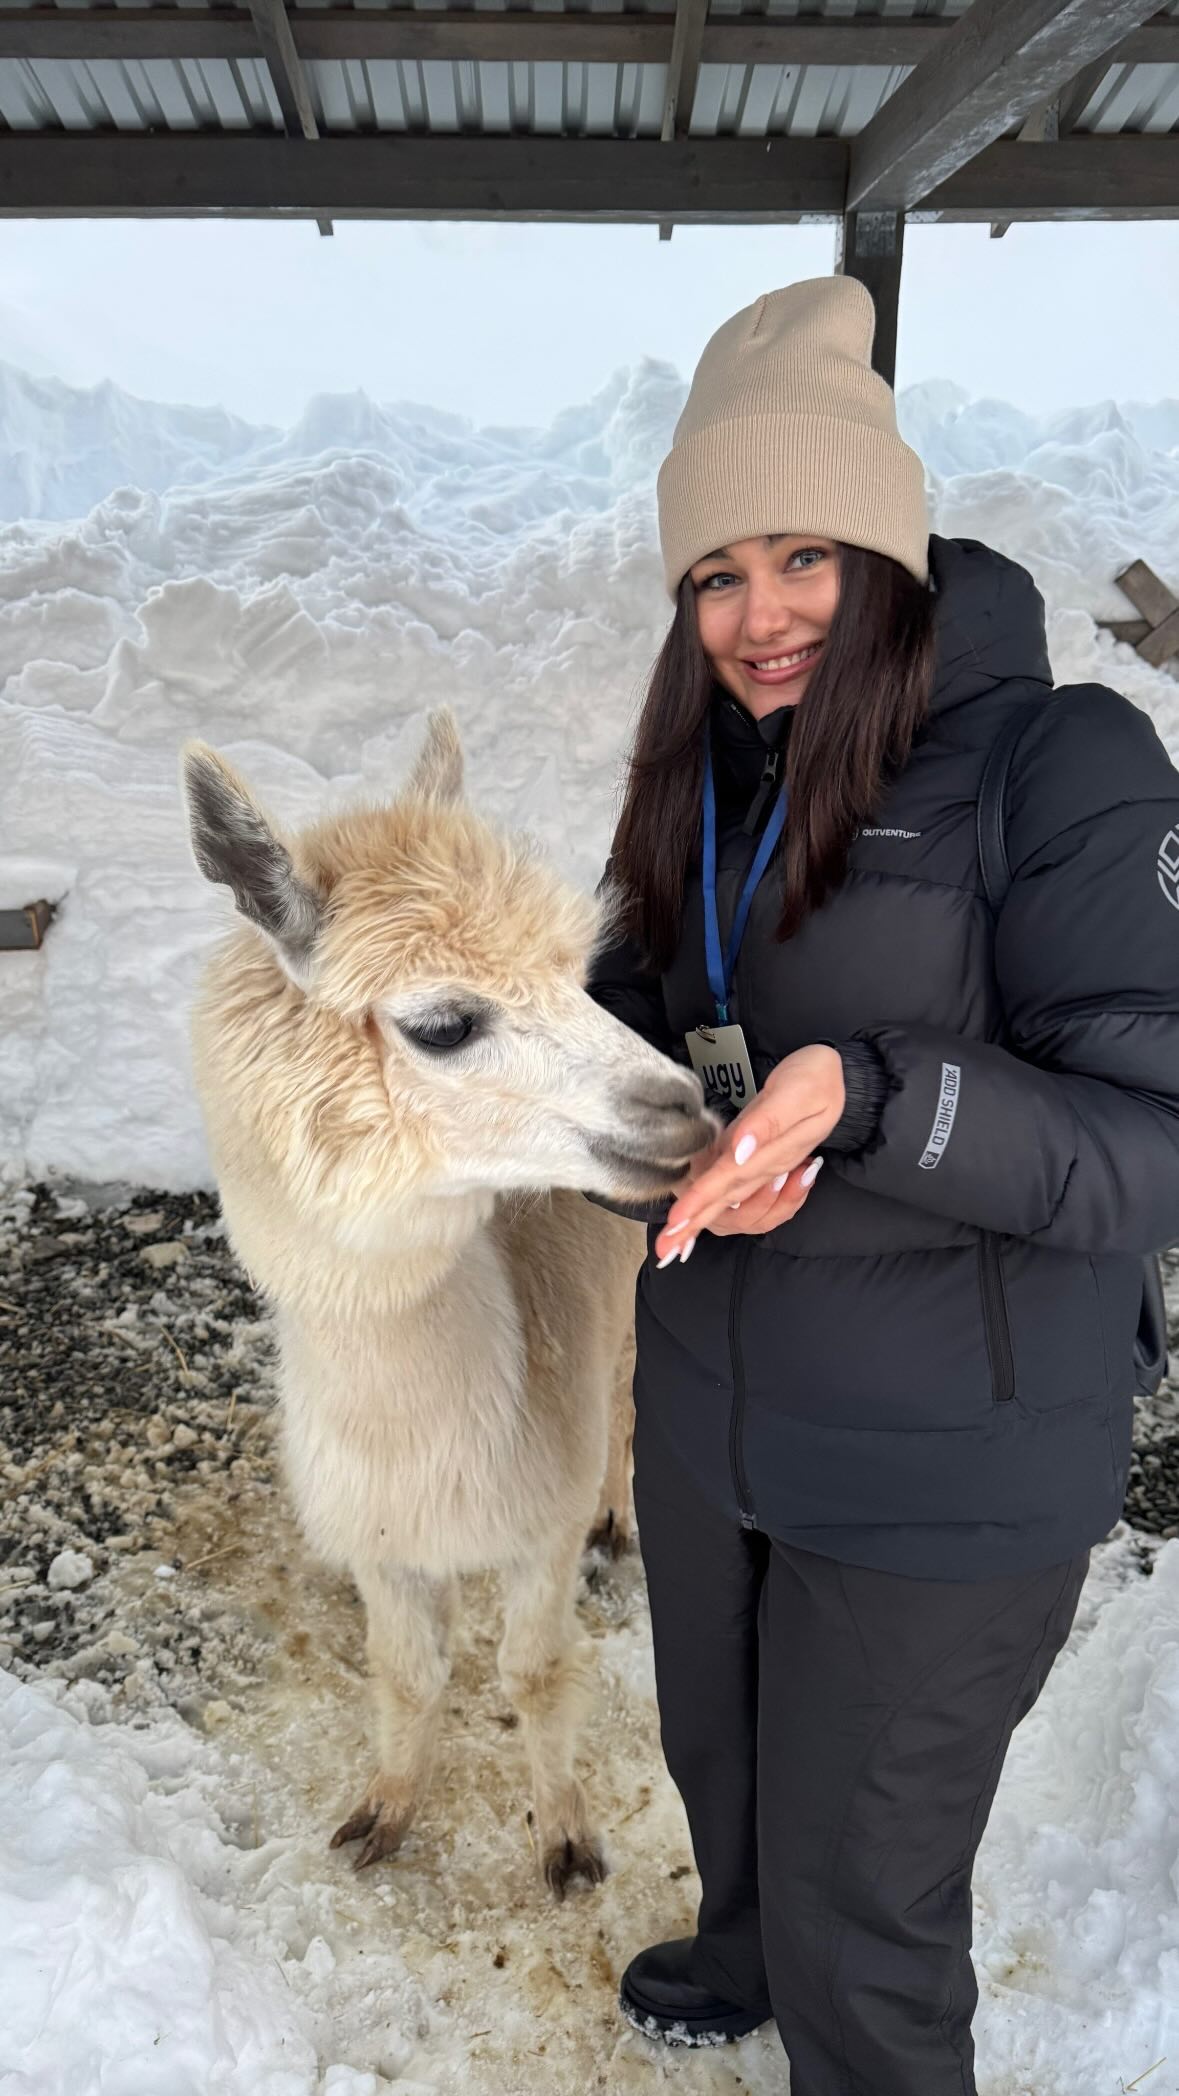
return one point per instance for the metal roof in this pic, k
(805, 77)
(570, 99)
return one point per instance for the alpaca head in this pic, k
(403, 1011)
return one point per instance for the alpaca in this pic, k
(407, 1094)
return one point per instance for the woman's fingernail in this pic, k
(745, 1149)
(668, 1257)
(812, 1171)
(734, 1204)
(671, 1229)
(780, 1182)
(688, 1250)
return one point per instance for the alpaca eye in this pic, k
(446, 1030)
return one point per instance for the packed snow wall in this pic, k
(303, 598)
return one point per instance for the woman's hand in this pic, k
(763, 1167)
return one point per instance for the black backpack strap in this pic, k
(992, 794)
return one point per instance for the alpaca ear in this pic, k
(438, 773)
(234, 845)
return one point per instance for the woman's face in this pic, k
(764, 607)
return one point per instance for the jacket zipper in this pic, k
(765, 786)
(737, 1414)
(995, 1318)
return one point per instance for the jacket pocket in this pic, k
(995, 1317)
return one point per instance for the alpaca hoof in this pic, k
(573, 1859)
(378, 1828)
(611, 1536)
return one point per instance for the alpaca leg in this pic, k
(613, 1523)
(408, 1625)
(545, 1670)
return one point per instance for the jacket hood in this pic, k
(988, 622)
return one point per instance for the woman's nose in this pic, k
(767, 617)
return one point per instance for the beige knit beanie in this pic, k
(787, 428)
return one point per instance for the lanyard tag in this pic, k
(721, 1061)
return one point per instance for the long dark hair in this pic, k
(853, 730)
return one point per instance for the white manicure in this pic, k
(668, 1257)
(779, 1183)
(745, 1149)
(812, 1171)
(688, 1250)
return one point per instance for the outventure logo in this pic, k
(1169, 867)
(943, 1120)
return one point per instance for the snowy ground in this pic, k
(184, 1724)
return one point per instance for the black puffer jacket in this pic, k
(929, 1369)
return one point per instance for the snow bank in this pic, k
(303, 598)
(124, 1967)
(1077, 1889)
(146, 1945)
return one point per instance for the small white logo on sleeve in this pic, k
(943, 1120)
(1169, 867)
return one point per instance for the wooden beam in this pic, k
(1121, 177)
(712, 181)
(1076, 97)
(640, 181)
(1042, 127)
(292, 91)
(514, 34)
(683, 67)
(1000, 60)
(683, 70)
(273, 31)
(871, 248)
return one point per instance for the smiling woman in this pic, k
(883, 1420)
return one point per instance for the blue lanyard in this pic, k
(721, 967)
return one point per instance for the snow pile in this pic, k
(1077, 1890)
(129, 1958)
(149, 1944)
(302, 599)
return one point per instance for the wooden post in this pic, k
(871, 247)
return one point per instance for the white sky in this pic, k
(509, 323)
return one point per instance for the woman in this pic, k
(885, 1411)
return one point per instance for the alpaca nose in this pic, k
(669, 1112)
(679, 1092)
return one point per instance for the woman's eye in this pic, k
(448, 1030)
(808, 555)
(710, 579)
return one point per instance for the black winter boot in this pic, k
(662, 2000)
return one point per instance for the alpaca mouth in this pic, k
(644, 1174)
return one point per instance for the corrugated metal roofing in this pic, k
(550, 98)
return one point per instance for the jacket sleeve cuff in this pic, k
(866, 1084)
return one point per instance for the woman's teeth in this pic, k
(783, 662)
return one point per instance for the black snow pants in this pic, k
(836, 1735)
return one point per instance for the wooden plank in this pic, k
(993, 67)
(1120, 177)
(513, 34)
(1042, 127)
(1129, 630)
(1161, 642)
(273, 31)
(871, 248)
(1149, 596)
(683, 67)
(640, 181)
(1076, 97)
(692, 181)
